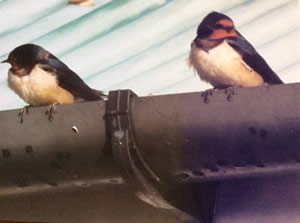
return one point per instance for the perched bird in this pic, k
(224, 58)
(40, 78)
(82, 2)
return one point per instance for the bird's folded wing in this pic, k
(68, 79)
(253, 59)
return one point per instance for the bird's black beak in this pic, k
(5, 61)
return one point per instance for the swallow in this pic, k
(40, 78)
(82, 2)
(224, 58)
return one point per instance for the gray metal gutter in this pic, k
(176, 152)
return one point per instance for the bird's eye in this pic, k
(12, 60)
(203, 32)
(228, 29)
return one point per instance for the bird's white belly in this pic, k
(39, 88)
(222, 66)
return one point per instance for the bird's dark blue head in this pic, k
(215, 26)
(26, 56)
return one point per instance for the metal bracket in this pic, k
(125, 150)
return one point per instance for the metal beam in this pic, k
(64, 171)
(39, 154)
(256, 133)
(175, 146)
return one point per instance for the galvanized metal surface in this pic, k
(113, 203)
(39, 154)
(254, 134)
(254, 137)
(273, 199)
(49, 172)
(195, 199)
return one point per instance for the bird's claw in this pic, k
(25, 110)
(205, 94)
(229, 93)
(50, 111)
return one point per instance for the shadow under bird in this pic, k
(40, 78)
(224, 58)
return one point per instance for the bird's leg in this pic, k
(205, 94)
(229, 93)
(25, 109)
(50, 111)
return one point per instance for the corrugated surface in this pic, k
(143, 44)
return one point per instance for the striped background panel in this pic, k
(143, 44)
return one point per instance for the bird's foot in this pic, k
(229, 93)
(205, 94)
(50, 111)
(24, 110)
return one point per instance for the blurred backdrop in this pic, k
(143, 44)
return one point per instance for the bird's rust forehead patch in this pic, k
(225, 22)
(222, 34)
